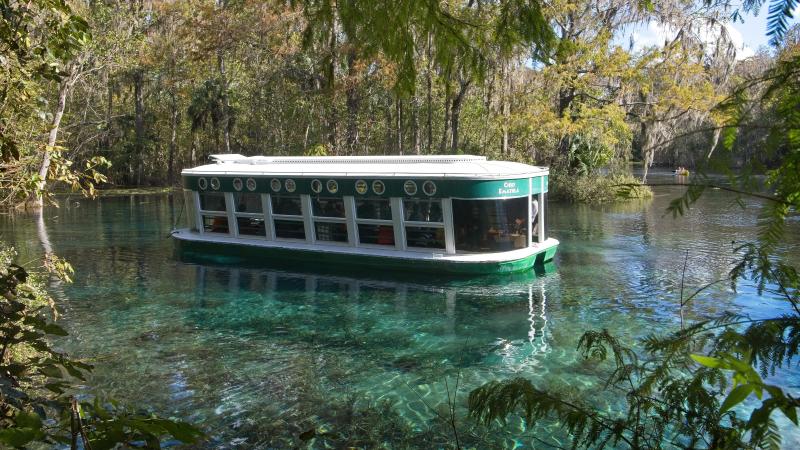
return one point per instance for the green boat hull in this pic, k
(233, 253)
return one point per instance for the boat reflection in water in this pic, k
(419, 329)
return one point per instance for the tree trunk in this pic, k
(446, 132)
(109, 114)
(193, 155)
(399, 117)
(331, 92)
(389, 141)
(429, 81)
(455, 114)
(714, 142)
(36, 199)
(352, 104)
(415, 123)
(505, 107)
(226, 106)
(138, 124)
(173, 140)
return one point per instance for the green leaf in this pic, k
(18, 437)
(736, 396)
(790, 412)
(708, 361)
(182, 431)
(28, 420)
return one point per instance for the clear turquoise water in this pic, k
(259, 355)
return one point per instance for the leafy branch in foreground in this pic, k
(685, 389)
(36, 382)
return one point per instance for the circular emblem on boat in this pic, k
(378, 187)
(429, 188)
(410, 187)
(333, 186)
(237, 184)
(361, 187)
(251, 184)
(202, 183)
(316, 186)
(215, 183)
(275, 184)
(289, 185)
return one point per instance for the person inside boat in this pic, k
(535, 216)
(415, 214)
(289, 206)
(219, 224)
(435, 213)
(519, 227)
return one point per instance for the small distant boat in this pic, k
(680, 172)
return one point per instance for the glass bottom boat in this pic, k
(451, 214)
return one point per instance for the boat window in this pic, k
(191, 210)
(425, 237)
(331, 231)
(490, 225)
(423, 210)
(212, 201)
(251, 226)
(376, 234)
(287, 205)
(247, 202)
(380, 209)
(289, 229)
(215, 224)
(327, 207)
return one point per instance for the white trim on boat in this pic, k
(439, 167)
(512, 255)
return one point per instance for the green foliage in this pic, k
(38, 40)
(687, 388)
(597, 189)
(36, 380)
(463, 36)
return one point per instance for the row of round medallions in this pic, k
(410, 186)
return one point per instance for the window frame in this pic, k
(288, 217)
(423, 224)
(468, 252)
(385, 222)
(251, 215)
(203, 213)
(314, 220)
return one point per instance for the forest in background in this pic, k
(156, 86)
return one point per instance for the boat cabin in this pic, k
(457, 213)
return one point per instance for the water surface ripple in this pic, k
(259, 355)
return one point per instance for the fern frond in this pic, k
(780, 11)
(498, 399)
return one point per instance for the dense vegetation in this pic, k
(152, 87)
(130, 92)
(684, 389)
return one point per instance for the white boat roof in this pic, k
(429, 166)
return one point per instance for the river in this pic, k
(258, 356)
